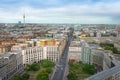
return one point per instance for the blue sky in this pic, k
(61, 11)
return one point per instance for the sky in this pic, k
(61, 11)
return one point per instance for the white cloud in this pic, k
(87, 13)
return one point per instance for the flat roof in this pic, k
(105, 74)
(6, 55)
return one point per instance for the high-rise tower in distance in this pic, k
(24, 19)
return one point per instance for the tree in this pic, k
(42, 76)
(74, 36)
(71, 64)
(89, 69)
(108, 48)
(33, 67)
(28, 67)
(17, 77)
(115, 50)
(111, 47)
(46, 63)
(25, 76)
(72, 76)
(48, 70)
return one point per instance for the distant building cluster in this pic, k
(97, 30)
(16, 53)
(21, 45)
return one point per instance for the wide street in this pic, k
(61, 66)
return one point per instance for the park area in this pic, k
(37, 71)
(80, 71)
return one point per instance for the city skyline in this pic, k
(61, 11)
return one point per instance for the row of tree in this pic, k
(110, 47)
(21, 77)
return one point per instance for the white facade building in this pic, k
(36, 54)
(33, 54)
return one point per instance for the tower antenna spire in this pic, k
(24, 19)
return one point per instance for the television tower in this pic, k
(24, 19)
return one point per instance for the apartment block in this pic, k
(101, 59)
(11, 63)
(9, 66)
(74, 53)
(33, 54)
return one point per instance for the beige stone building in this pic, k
(74, 53)
(4, 48)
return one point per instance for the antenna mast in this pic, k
(24, 19)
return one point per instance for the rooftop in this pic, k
(6, 55)
(105, 74)
(75, 44)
